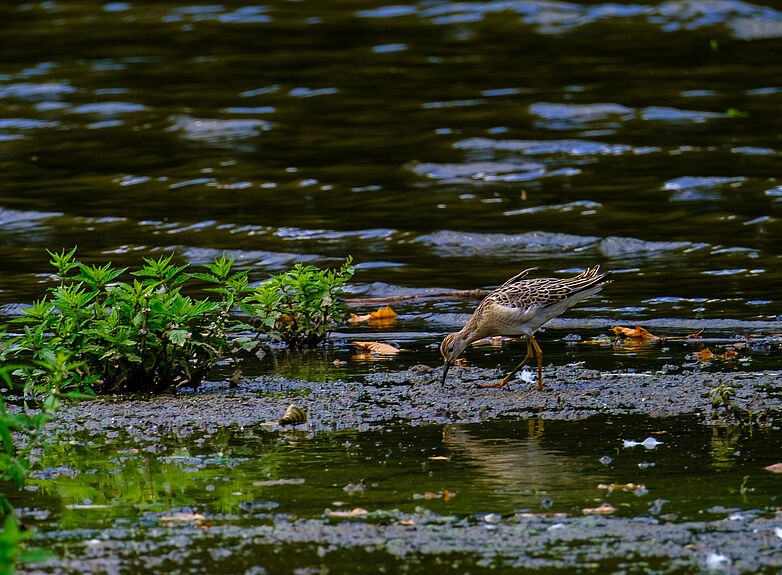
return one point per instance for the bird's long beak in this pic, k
(446, 365)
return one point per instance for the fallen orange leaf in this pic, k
(707, 355)
(637, 333)
(604, 509)
(380, 314)
(377, 348)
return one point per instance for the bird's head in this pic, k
(451, 348)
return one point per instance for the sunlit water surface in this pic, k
(140, 487)
(444, 146)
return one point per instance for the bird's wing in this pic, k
(517, 277)
(544, 292)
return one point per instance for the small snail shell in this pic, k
(293, 415)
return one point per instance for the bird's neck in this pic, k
(472, 331)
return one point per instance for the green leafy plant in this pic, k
(722, 396)
(301, 306)
(15, 468)
(145, 335)
(139, 336)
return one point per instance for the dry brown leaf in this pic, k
(636, 333)
(461, 362)
(774, 468)
(356, 512)
(407, 522)
(621, 486)
(377, 348)
(604, 509)
(355, 318)
(183, 517)
(439, 458)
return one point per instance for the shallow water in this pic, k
(443, 145)
(141, 484)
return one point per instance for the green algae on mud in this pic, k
(397, 473)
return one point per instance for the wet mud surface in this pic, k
(417, 542)
(415, 397)
(262, 539)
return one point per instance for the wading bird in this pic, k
(521, 306)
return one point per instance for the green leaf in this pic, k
(205, 277)
(178, 336)
(36, 555)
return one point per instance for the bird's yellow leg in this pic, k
(539, 354)
(508, 377)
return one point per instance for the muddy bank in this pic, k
(418, 542)
(415, 397)
(296, 502)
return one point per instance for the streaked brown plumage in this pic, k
(521, 306)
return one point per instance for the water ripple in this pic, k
(16, 220)
(244, 258)
(454, 243)
(700, 189)
(218, 131)
(36, 92)
(477, 172)
(745, 21)
(550, 147)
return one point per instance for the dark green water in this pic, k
(495, 467)
(96, 492)
(442, 145)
